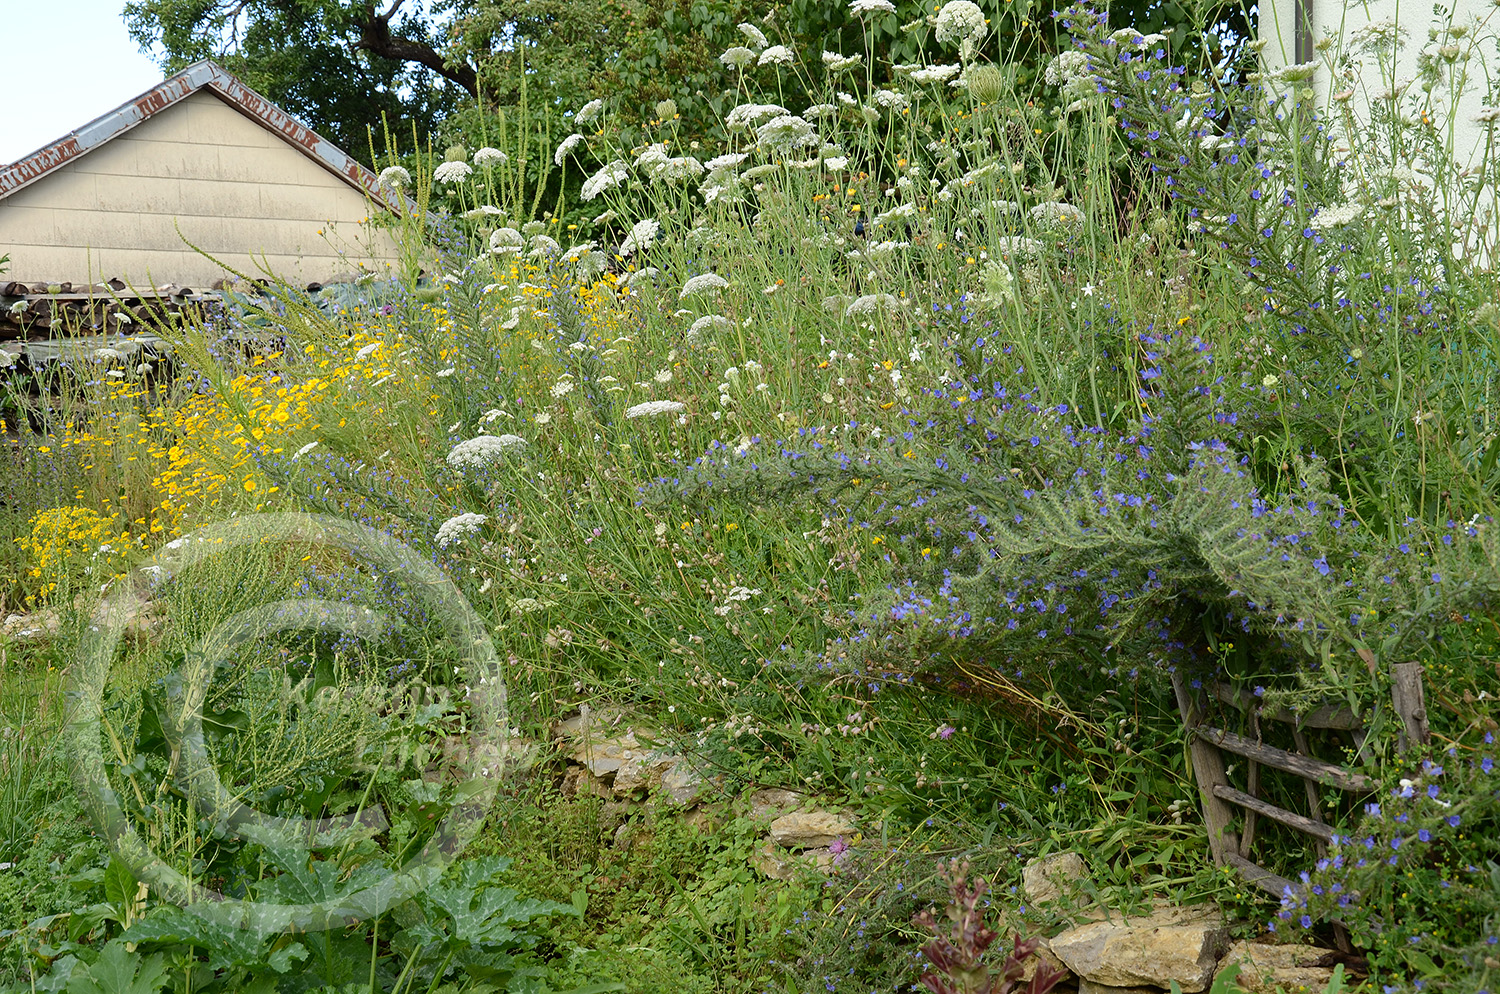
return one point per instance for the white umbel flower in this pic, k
(935, 74)
(960, 21)
(1328, 218)
(490, 157)
(872, 7)
(871, 304)
(607, 178)
(754, 36)
(460, 527)
(775, 55)
(653, 408)
(706, 283)
(566, 146)
(1056, 214)
(746, 115)
(452, 172)
(737, 57)
(394, 178)
(483, 450)
(786, 133)
(642, 236)
(588, 112)
(506, 241)
(838, 63)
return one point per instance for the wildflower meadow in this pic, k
(894, 425)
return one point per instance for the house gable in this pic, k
(215, 166)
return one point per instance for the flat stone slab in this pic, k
(1169, 945)
(1265, 968)
(809, 829)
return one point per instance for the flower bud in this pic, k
(986, 83)
(666, 110)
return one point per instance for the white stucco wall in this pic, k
(233, 188)
(1449, 110)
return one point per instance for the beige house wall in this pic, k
(199, 171)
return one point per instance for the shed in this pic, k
(200, 158)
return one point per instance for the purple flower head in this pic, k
(945, 732)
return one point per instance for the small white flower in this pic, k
(108, 353)
(483, 450)
(304, 450)
(443, 374)
(754, 36)
(746, 115)
(394, 178)
(838, 63)
(786, 133)
(872, 303)
(1328, 218)
(483, 211)
(543, 418)
(730, 160)
(819, 110)
(935, 74)
(836, 162)
(566, 146)
(367, 350)
(706, 283)
(775, 55)
(452, 172)
(588, 111)
(490, 156)
(652, 408)
(562, 388)
(1056, 213)
(960, 21)
(459, 527)
(1487, 115)
(872, 7)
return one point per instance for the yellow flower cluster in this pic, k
(77, 542)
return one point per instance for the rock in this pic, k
(604, 757)
(1089, 987)
(681, 783)
(773, 801)
(1170, 944)
(809, 829)
(32, 625)
(1266, 968)
(1042, 955)
(579, 782)
(1045, 880)
(642, 771)
(780, 865)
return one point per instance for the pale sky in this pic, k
(64, 63)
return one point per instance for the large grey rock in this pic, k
(809, 829)
(1170, 944)
(1045, 880)
(1265, 968)
(681, 783)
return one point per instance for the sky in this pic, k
(65, 62)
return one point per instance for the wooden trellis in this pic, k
(1207, 745)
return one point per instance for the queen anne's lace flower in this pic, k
(935, 74)
(872, 7)
(960, 21)
(775, 55)
(838, 63)
(1055, 213)
(1070, 70)
(395, 178)
(452, 172)
(588, 112)
(490, 156)
(746, 115)
(786, 133)
(1333, 217)
(483, 450)
(642, 236)
(506, 241)
(567, 145)
(652, 408)
(754, 36)
(871, 304)
(729, 160)
(460, 527)
(706, 283)
(737, 57)
(610, 176)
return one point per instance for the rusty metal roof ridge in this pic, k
(204, 75)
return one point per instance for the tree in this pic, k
(339, 65)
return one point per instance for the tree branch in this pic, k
(376, 38)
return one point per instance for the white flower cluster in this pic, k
(1332, 217)
(775, 55)
(588, 112)
(786, 133)
(566, 146)
(1055, 213)
(872, 7)
(706, 283)
(935, 74)
(737, 57)
(960, 21)
(655, 163)
(652, 408)
(754, 36)
(1070, 70)
(490, 156)
(642, 236)
(871, 304)
(483, 450)
(452, 172)
(505, 241)
(394, 178)
(838, 63)
(459, 527)
(610, 176)
(746, 115)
